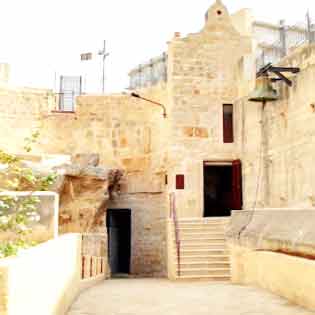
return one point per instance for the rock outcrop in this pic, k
(85, 189)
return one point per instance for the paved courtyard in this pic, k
(162, 297)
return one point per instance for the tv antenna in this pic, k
(104, 54)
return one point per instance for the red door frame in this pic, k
(237, 182)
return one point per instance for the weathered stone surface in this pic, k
(85, 159)
(76, 170)
(283, 230)
(84, 198)
(94, 244)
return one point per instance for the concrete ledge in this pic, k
(285, 275)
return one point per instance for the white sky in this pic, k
(42, 37)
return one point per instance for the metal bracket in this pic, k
(278, 71)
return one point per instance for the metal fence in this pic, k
(150, 73)
(276, 42)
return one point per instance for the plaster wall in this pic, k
(54, 270)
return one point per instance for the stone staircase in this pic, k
(203, 252)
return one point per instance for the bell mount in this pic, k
(278, 71)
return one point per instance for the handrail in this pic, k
(173, 215)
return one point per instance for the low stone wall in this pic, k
(42, 280)
(279, 230)
(287, 276)
(275, 249)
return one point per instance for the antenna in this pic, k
(105, 55)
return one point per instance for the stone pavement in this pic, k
(162, 297)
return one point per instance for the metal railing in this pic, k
(66, 101)
(149, 73)
(279, 41)
(173, 216)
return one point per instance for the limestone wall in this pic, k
(52, 269)
(278, 142)
(21, 111)
(202, 77)
(131, 135)
(127, 133)
(118, 127)
(148, 230)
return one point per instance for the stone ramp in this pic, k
(160, 296)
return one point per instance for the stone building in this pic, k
(209, 156)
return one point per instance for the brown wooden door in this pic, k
(237, 185)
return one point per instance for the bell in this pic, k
(264, 92)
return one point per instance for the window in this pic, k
(228, 136)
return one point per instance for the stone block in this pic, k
(188, 132)
(86, 159)
(201, 132)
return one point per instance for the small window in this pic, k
(228, 135)
(180, 182)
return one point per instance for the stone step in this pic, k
(206, 226)
(205, 264)
(203, 223)
(199, 229)
(200, 252)
(198, 238)
(204, 258)
(205, 277)
(208, 219)
(205, 272)
(200, 234)
(205, 245)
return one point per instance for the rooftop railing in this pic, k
(149, 74)
(276, 42)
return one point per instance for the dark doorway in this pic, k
(222, 189)
(118, 222)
